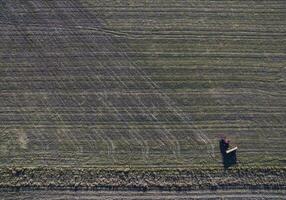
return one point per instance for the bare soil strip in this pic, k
(126, 195)
(141, 179)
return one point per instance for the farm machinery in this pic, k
(228, 154)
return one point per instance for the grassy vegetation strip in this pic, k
(15, 178)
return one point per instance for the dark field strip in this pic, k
(43, 179)
(141, 83)
(123, 195)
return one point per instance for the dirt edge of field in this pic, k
(24, 178)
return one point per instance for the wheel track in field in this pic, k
(146, 77)
(106, 138)
(145, 145)
(141, 141)
(171, 106)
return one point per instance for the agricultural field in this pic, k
(142, 84)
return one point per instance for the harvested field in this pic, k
(139, 84)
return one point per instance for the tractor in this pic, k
(228, 155)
